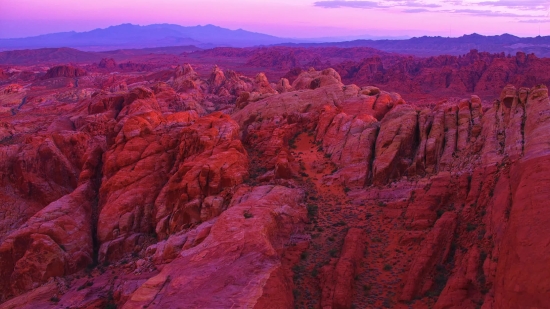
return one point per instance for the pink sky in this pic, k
(285, 18)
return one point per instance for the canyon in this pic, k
(274, 177)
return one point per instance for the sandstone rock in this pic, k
(166, 251)
(13, 88)
(6, 131)
(48, 167)
(107, 63)
(349, 141)
(425, 119)
(196, 162)
(283, 168)
(439, 76)
(313, 79)
(217, 78)
(434, 143)
(64, 71)
(186, 79)
(450, 145)
(395, 144)
(457, 292)
(428, 199)
(464, 120)
(235, 260)
(338, 282)
(435, 250)
(261, 84)
(170, 164)
(523, 252)
(57, 241)
(283, 85)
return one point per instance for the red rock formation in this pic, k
(283, 168)
(522, 278)
(64, 71)
(476, 72)
(394, 145)
(48, 169)
(261, 84)
(235, 261)
(349, 141)
(133, 66)
(435, 251)
(153, 187)
(269, 57)
(313, 79)
(57, 240)
(460, 287)
(461, 135)
(4, 75)
(188, 163)
(13, 88)
(107, 63)
(283, 85)
(293, 74)
(338, 280)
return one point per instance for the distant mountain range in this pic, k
(128, 36)
(432, 46)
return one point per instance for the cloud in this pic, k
(373, 4)
(416, 10)
(535, 21)
(496, 8)
(523, 4)
(349, 4)
(490, 13)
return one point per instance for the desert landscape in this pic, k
(130, 183)
(148, 167)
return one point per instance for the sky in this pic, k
(285, 18)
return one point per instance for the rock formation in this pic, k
(64, 71)
(167, 188)
(481, 73)
(107, 63)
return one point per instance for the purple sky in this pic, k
(285, 18)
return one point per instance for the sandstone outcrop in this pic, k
(107, 63)
(240, 255)
(4, 75)
(313, 79)
(13, 88)
(476, 72)
(338, 282)
(64, 71)
(195, 158)
(394, 145)
(115, 161)
(521, 276)
(57, 240)
(435, 250)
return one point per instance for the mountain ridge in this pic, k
(129, 36)
(135, 36)
(437, 45)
